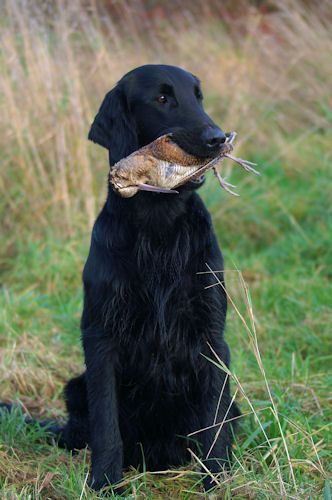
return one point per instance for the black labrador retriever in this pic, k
(150, 321)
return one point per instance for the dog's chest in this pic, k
(158, 290)
(161, 349)
(158, 313)
(162, 332)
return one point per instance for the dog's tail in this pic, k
(52, 428)
(73, 434)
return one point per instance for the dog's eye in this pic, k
(198, 94)
(162, 99)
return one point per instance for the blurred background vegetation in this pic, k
(266, 72)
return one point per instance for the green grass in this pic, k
(277, 238)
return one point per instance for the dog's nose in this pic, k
(213, 137)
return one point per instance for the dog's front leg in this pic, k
(105, 439)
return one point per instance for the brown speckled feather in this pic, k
(161, 163)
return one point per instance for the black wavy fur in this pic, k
(149, 319)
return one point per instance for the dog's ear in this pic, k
(114, 127)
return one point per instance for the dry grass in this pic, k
(55, 71)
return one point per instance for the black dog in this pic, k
(149, 322)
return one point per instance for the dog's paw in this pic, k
(209, 484)
(100, 481)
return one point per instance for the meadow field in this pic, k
(266, 73)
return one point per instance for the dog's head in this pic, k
(150, 101)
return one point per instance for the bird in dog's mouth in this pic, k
(162, 166)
